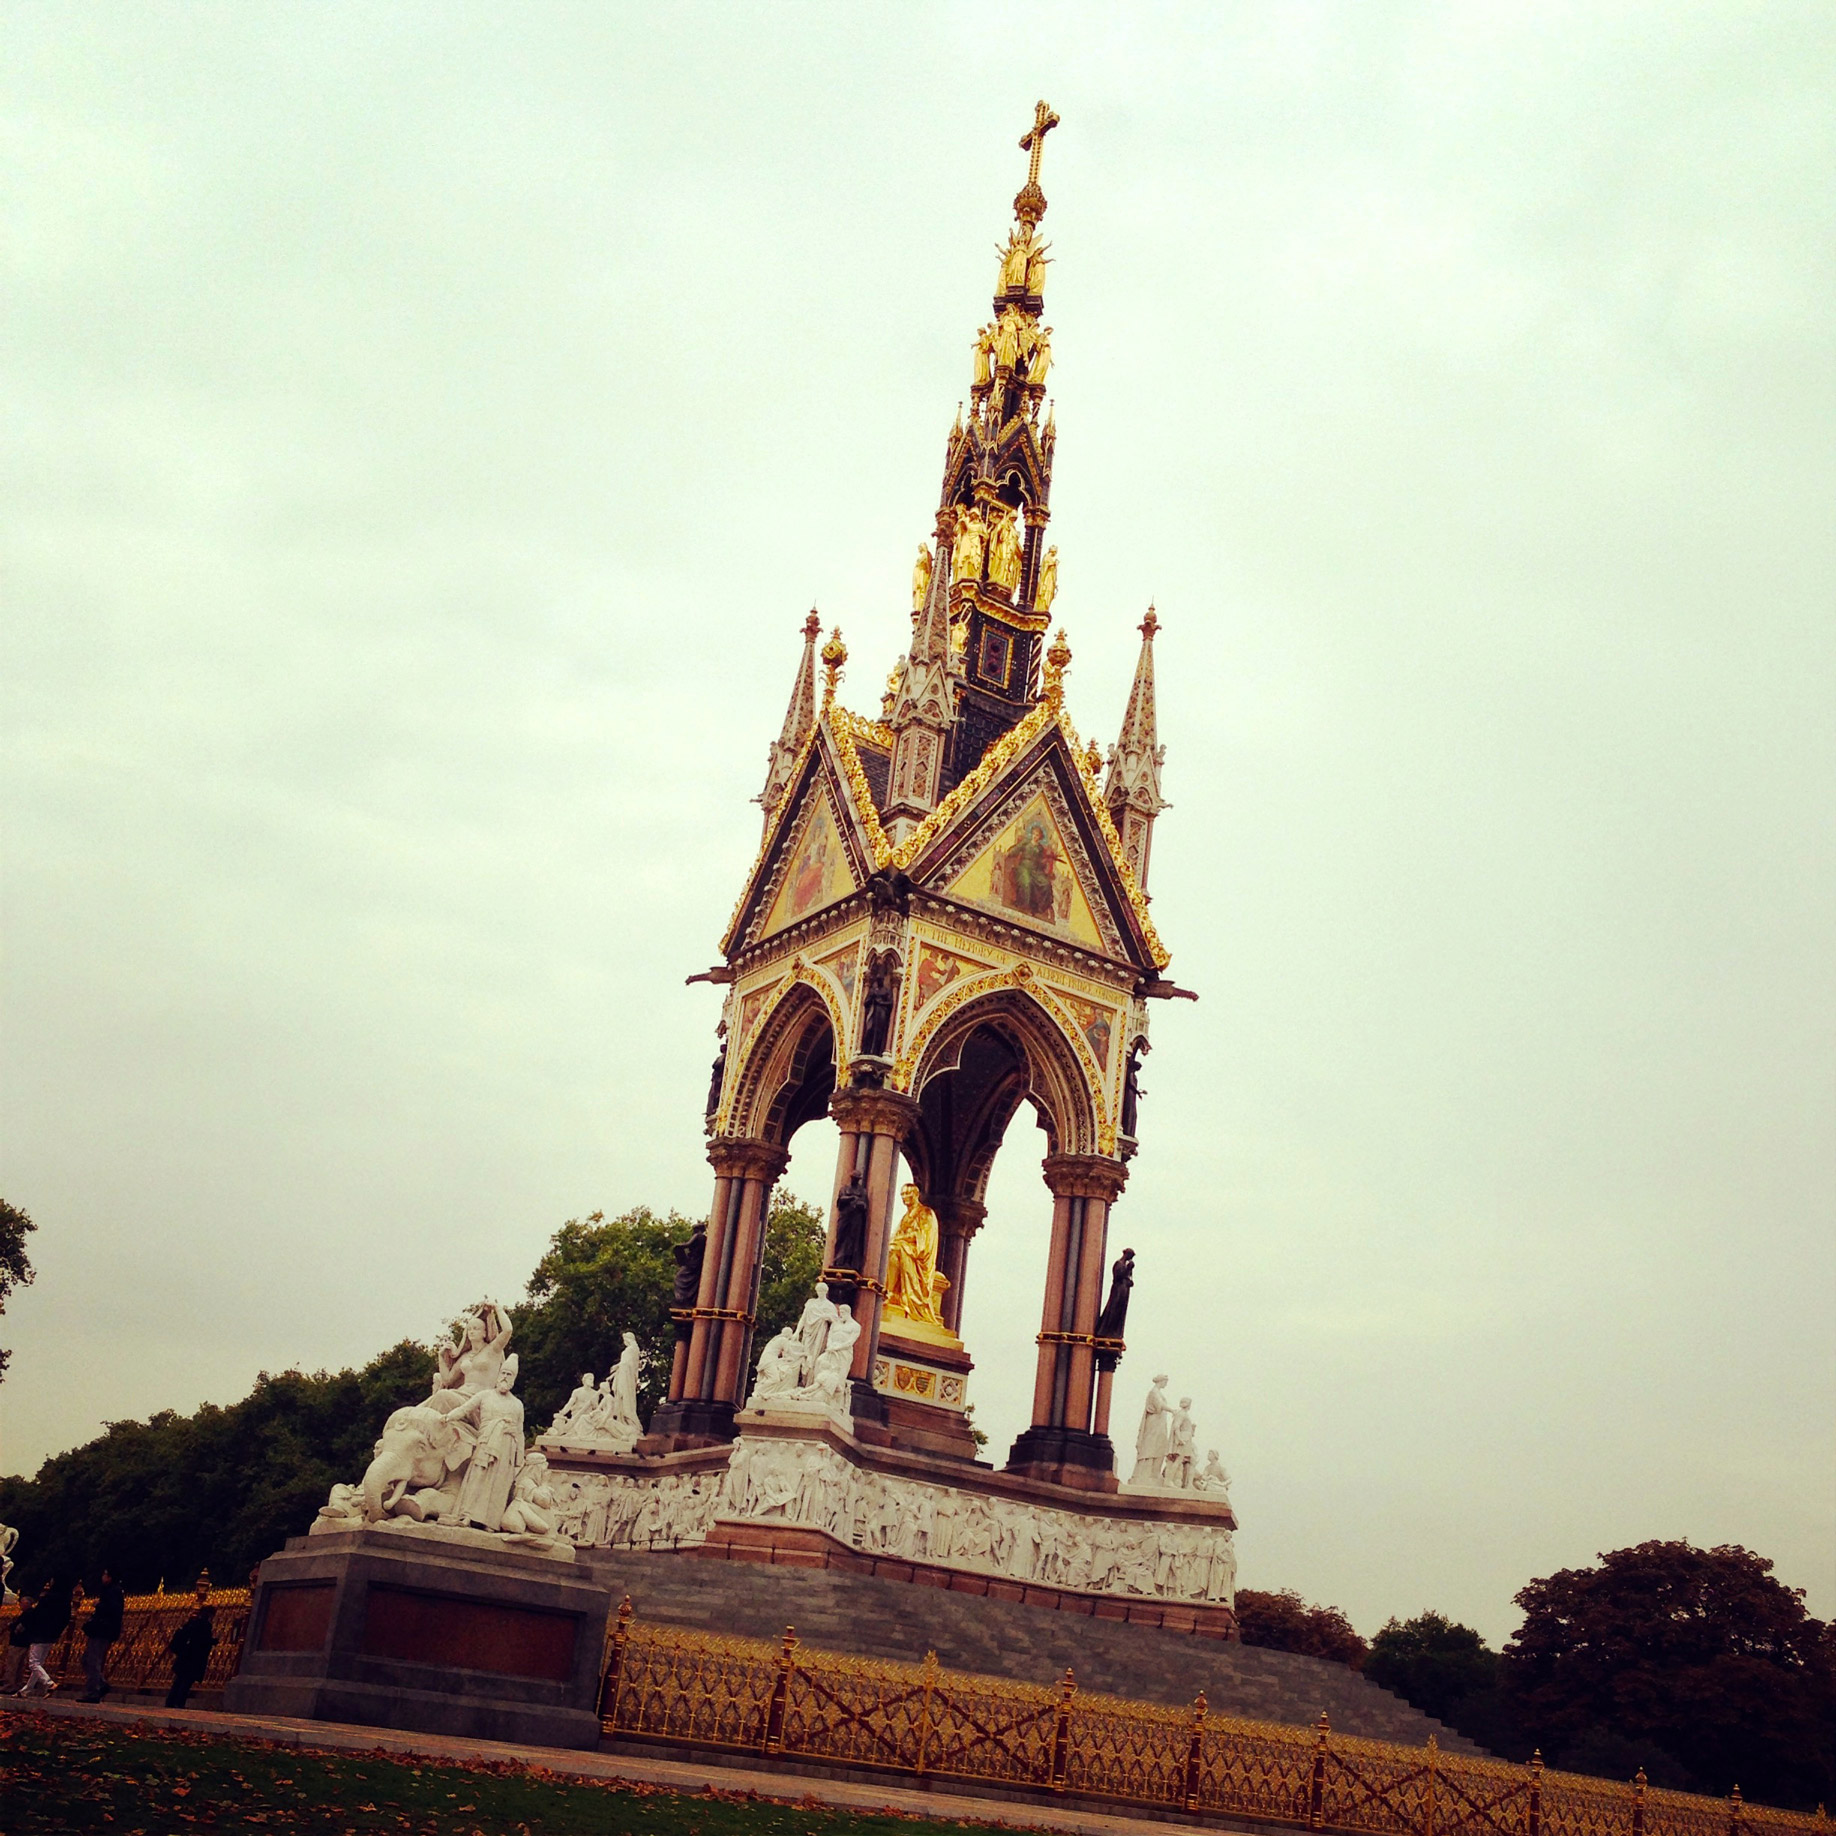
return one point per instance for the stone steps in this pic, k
(867, 1617)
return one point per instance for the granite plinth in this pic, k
(432, 1633)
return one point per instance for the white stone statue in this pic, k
(490, 1474)
(1214, 1480)
(1154, 1439)
(780, 1368)
(813, 1327)
(575, 1413)
(9, 1541)
(603, 1420)
(532, 1514)
(827, 1386)
(1181, 1453)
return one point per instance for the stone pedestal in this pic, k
(448, 1634)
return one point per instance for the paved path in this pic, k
(613, 1767)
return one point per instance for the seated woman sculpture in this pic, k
(471, 1362)
(913, 1286)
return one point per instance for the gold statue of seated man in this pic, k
(914, 1288)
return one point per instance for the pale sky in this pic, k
(424, 431)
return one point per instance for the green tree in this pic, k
(1448, 1671)
(1285, 1622)
(1695, 1663)
(602, 1277)
(16, 1269)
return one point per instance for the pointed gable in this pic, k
(817, 872)
(1026, 873)
(1026, 839)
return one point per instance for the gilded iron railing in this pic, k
(138, 1659)
(743, 1695)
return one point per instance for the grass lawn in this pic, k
(59, 1774)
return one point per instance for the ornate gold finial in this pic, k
(1149, 625)
(1093, 756)
(1056, 660)
(1029, 202)
(812, 626)
(834, 655)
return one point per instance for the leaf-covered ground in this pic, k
(61, 1774)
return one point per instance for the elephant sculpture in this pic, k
(418, 1457)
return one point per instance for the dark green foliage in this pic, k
(221, 1489)
(1285, 1622)
(1448, 1671)
(15, 1265)
(1431, 1661)
(1697, 1659)
(601, 1277)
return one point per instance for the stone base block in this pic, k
(679, 1426)
(394, 1631)
(1065, 1456)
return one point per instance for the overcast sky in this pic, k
(424, 431)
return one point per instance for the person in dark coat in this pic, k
(43, 1624)
(99, 1633)
(190, 1648)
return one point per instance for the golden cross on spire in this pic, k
(1033, 140)
(1030, 204)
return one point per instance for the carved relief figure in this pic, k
(913, 1285)
(813, 1327)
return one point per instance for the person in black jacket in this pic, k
(43, 1624)
(101, 1630)
(190, 1648)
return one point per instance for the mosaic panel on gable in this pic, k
(1027, 872)
(817, 874)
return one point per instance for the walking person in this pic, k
(99, 1633)
(190, 1647)
(43, 1624)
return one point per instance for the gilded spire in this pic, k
(1132, 788)
(799, 718)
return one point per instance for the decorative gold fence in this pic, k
(750, 1696)
(139, 1660)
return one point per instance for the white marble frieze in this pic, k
(807, 1482)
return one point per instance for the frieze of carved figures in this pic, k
(808, 1483)
(456, 1459)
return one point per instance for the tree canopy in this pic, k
(16, 1269)
(1283, 1621)
(1697, 1661)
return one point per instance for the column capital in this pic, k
(871, 1111)
(960, 1217)
(746, 1157)
(1085, 1176)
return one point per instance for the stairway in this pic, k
(836, 1611)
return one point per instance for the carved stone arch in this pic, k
(1069, 1099)
(788, 1071)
